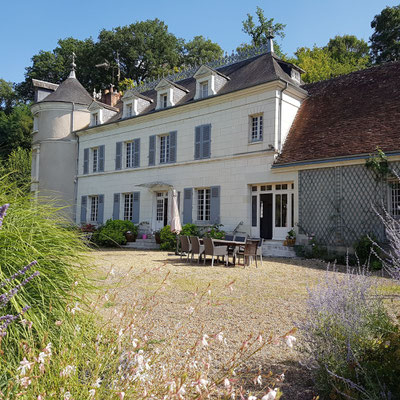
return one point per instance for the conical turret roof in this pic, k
(70, 91)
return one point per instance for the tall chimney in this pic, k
(270, 42)
(110, 97)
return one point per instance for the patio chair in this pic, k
(239, 249)
(229, 237)
(197, 248)
(186, 246)
(249, 253)
(211, 250)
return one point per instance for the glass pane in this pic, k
(284, 210)
(278, 214)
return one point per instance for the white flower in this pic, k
(67, 396)
(76, 308)
(270, 395)
(76, 283)
(112, 272)
(135, 343)
(24, 382)
(259, 380)
(121, 395)
(203, 382)
(220, 336)
(204, 340)
(282, 377)
(42, 357)
(172, 386)
(290, 340)
(252, 398)
(98, 382)
(67, 371)
(227, 384)
(24, 366)
(92, 392)
(106, 296)
(181, 390)
(191, 310)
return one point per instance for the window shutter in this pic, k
(118, 155)
(136, 207)
(253, 210)
(83, 209)
(197, 143)
(215, 204)
(206, 141)
(101, 158)
(172, 147)
(187, 205)
(152, 150)
(136, 156)
(86, 161)
(100, 212)
(116, 206)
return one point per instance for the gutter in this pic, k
(280, 117)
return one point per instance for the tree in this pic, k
(201, 50)
(259, 33)
(8, 97)
(385, 41)
(348, 49)
(18, 167)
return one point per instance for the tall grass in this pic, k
(36, 231)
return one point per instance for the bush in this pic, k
(168, 239)
(112, 233)
(350, 341)
(190, 230)
(367, 250)
(215, 232)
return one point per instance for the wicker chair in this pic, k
(211, 250)
(197, 248)
(249, 253)
(186, 246)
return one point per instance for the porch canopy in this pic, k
(156, 186)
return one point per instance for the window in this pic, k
(203, 204)
(164, 149)
(35, 123)
(394, 198)
(164, 100)
(203, 90)
(256, 128)
(128, 207)
(94, 208)
(160, 206)
(95, 158)
(281, 205)
(128, 112)
(95, 119)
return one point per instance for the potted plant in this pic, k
(157, 237)
(290, 238)
(130, 236)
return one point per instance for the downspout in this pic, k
(76, 165)
(280, 117)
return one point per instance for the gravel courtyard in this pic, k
(241, 301)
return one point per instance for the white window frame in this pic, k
(129, 154)
(128, 206)
(163, 100)
(128, 110)
(94, 208)
(256, 127)
(394, 198)
(204, 89)
(95, 118)
(203, 204)
(164, 149)
(95, 159)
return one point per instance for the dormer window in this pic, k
(100, 113)
(164, 100)
(203, 90)
(134, 103)
(95, 119)
(129, 110)
(169, 93)
(295, 75)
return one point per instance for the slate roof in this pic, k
(253, 71)
(346, 116)
(70, 91)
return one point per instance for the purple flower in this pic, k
(3, 212)
(20, 272)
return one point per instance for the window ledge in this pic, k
(256, 142)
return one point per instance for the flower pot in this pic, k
(144, 236)
(130, 237)
(157, 237)
(290, 242)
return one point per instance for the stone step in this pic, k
(277, 249)
(144, 244)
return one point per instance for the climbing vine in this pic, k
(378, 163)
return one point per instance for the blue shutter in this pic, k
(152, 150)
(116, 206)
(83, 209)
(215, 204)
(136, 154)
(86, 161)
(187, 205)
(206, 141)
(172, 147)
(136, 207)
(197, 143)
(100, 211)
(118, 155)
(101, 158)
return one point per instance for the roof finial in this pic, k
(73, 66)
(270, 42)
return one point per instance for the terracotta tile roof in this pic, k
(348, 115)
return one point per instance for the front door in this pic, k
(161, 210)
(266, 224)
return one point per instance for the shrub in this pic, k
(112, 233)
(167, 238)
(190, 230)
(350, 341)
(367, 250)
(215, 232)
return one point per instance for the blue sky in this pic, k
(29, 26)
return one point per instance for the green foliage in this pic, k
(190, 230)
(112, 233)
(259, 33)
(8, 97)
(366, 249)
(291, 234)
(17, 168)
(215, 232)
(201, 50)
(168, 239)
(34, 231)
(342, 55)
(385, 41)
(379, 164)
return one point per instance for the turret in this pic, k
(59, 110)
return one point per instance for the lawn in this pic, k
(239, 302)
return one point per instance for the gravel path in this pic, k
(270, 298)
